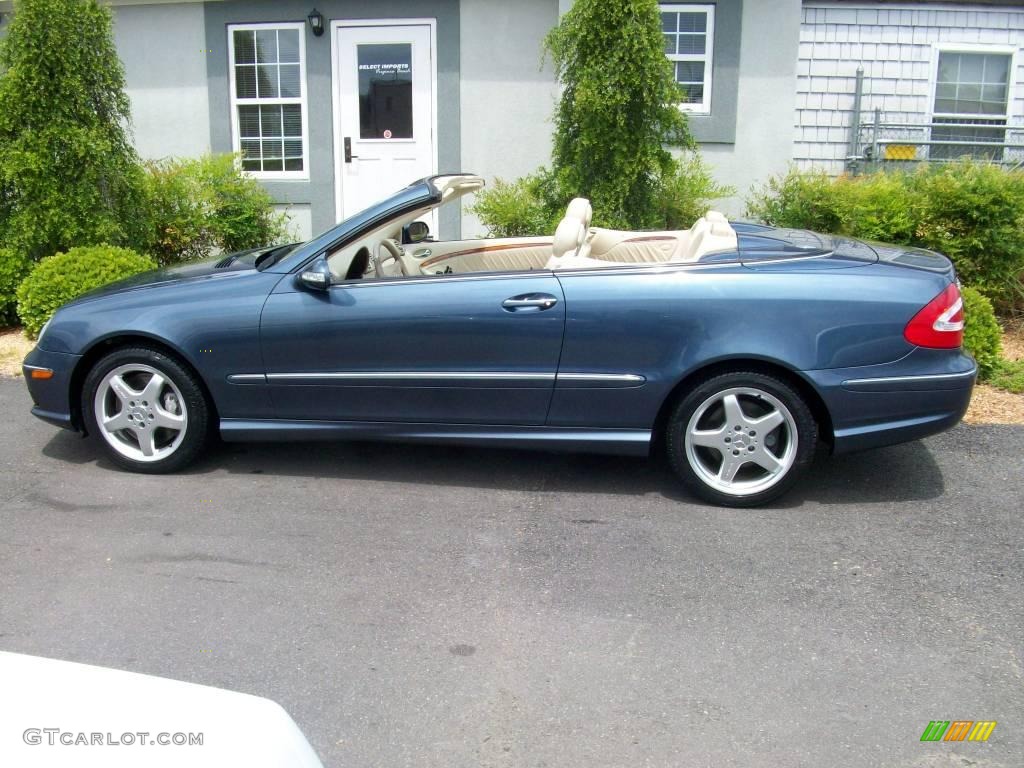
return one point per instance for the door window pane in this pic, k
(385, 90)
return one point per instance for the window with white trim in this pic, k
(971, 100)
(268, 99)
(689, 32)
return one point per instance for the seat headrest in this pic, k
(568, 237)
(700, 225)
(581, 209)
(721, 229)
(715, 216)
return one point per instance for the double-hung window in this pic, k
(268, 99)
(689, 32)
(971, 99)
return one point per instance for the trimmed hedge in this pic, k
(62, 277)
(971, 212)
(982, 335)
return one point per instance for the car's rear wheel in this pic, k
(147, 409)
(741, 439)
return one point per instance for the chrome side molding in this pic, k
(569, 378)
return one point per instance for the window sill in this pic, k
(272, 176)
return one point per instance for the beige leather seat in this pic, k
(570, 249)
(597, 247)
(715, 237)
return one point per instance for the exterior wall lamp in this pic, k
(316, 22)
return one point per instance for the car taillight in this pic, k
(940, 323)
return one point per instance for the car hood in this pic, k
(243, 261)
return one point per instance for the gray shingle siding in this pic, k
(896, 47)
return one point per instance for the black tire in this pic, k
(188, 398)
(694, 463)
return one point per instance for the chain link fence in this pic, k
(878, 141)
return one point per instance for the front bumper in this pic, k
(51, 398)
(922, 394)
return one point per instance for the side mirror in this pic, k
(416, 232)
(317, 276)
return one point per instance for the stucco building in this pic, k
(336, 105)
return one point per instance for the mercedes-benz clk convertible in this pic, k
(737, 349)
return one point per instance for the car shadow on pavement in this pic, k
(900, 473)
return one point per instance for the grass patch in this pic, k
(1009, 375)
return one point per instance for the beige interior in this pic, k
(575, 245)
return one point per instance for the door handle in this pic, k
(422, 253)
(348, 150)
(529, 301)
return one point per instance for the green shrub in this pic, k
(686, 193)
(799, 200)
(68, 172)
(881, 206)
(971, 212)
(14, 265)
(1009, 375)
(974, 213)
(533, 205)
(982, 334)
(197, 207)
(517, 208)
(62, 277)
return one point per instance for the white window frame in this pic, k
(708, 57)
(302, 101)
(940, 48)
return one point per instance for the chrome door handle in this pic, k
(422, 253)
(538, 301)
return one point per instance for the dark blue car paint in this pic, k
(829, 311)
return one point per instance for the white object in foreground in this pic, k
(58, 713)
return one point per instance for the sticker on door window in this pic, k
(385, 90)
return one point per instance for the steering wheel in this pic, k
(395, 250)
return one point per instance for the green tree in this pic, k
(68, 173)
(618, 110)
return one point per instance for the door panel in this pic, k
(420, 350)
(385, 107)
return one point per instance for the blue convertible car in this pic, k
(735, 348)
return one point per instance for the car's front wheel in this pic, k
(147, 409)
(741, 439)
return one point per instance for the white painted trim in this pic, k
(708, 57)
(335, 26)
(303, 101)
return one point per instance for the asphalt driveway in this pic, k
(449, 607)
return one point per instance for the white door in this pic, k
(384, 103)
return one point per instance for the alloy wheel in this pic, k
(140, 412)
(741, 441)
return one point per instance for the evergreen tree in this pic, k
(618, 110)
(68, 173)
